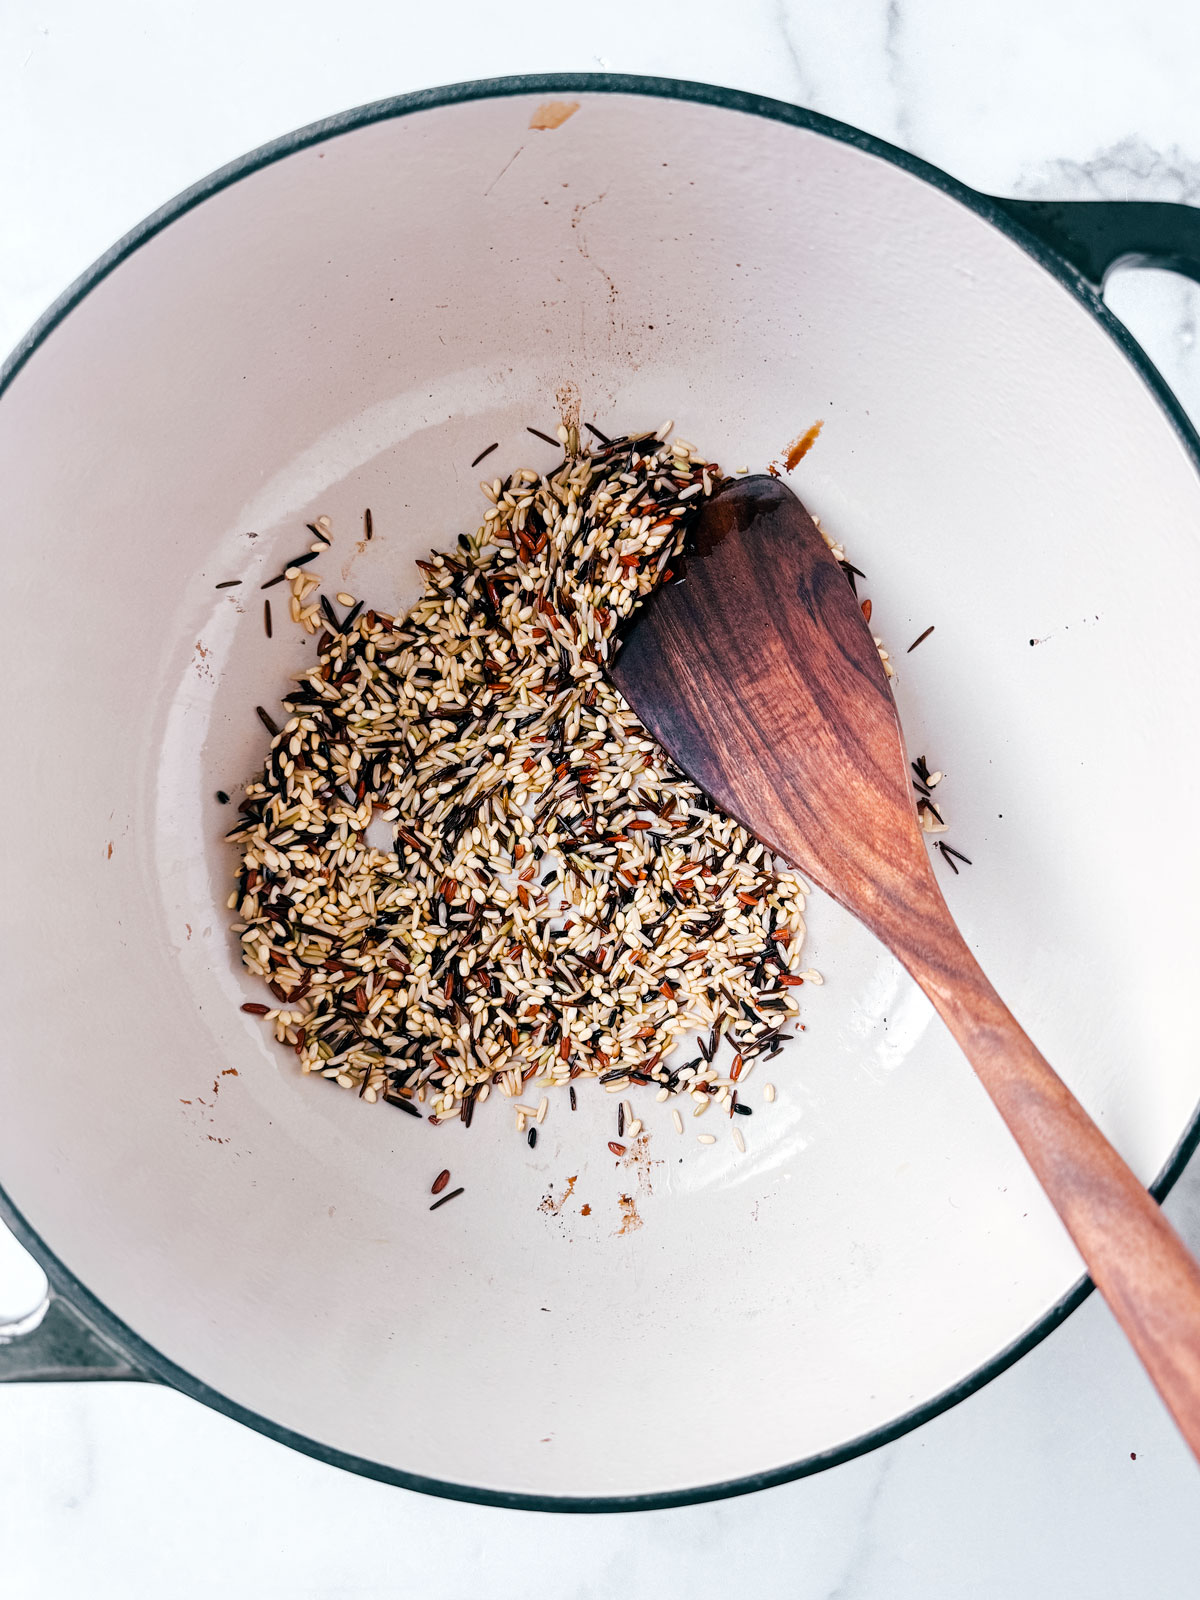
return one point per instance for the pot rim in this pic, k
(151, 1362)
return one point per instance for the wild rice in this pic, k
(403, 1104)
(560, 902)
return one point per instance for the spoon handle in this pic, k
(1135, 1258)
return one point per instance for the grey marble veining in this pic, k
(1130, 169)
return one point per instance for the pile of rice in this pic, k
(560, 901)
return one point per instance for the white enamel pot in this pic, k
(345, 319)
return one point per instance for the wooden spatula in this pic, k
(761, 678)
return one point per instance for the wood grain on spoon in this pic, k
(760, 676)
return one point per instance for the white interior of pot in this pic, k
(349, 327)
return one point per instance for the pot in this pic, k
(345, 319)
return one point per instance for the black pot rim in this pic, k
(151, 1361)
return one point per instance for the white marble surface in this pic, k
(1030, 1488)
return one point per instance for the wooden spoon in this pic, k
(761, 678)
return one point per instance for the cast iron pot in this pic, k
(344, 319)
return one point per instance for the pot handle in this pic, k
(57, 1344)
(1096, 236)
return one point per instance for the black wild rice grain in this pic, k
(531, 1138)
(403, 1104)
(368, 524)
(920, 639)
(230, 583)
(853, 574)
(265, 718)
(267, 617)
(484, 453)
(946, 857)
(222, 797)
(316, 532)
(596, 434)
(453, 1195)
(537, 432)
(948, 850)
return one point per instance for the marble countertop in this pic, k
(1063, 1477)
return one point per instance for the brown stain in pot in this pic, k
(800, 447)
(640, 1160)
(552, 114)
(201, 663)
(577, 216)
(567, 399)
(551, 1206)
